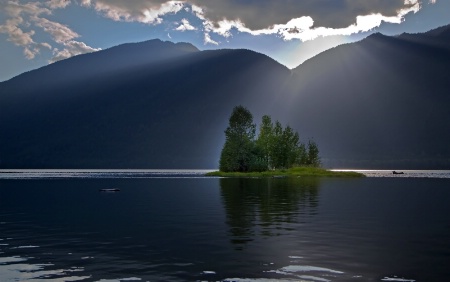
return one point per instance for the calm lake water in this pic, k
(181, 226)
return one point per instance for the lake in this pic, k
(181, 226)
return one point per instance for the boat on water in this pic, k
(110, 190)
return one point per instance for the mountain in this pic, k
(147, 105)
(378, 103)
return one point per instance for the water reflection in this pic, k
(267, 206)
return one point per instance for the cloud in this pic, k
(288, 19)
(263, 14)
(57, 4)
(63, 35)
(15, 8)
(305, 20)
(185, 25)
(15, 33)
(60, 33)
(72, 48)
(207, 39)
(29, 54)
(24, 17)
(144, 11)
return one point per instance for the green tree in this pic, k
(291, 146)
(313, 158)
(285, 147)
(276, 146)
(302, 156)
(239, 141)
(257, 161)
(265, 140)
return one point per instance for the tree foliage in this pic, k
(274, 148)
(313, 158)
(265, 140)
(239, 139)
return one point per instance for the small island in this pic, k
(276, 152)
(291, 172)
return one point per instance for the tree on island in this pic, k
(275, 148)
(239, 141)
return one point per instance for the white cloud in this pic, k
(144, 11)
(77, 47)
(72, 48)
(15, 33)
(15, 8)
(60, 55)
(63, 35)
(46, 45)
(86, 3)
(29, 54)
(305, 20)
(185, 25)
(19, 37)
(207, 39)
(23, 17)
(281, 17)
(60, 33)
(264, 14)
(57, 4)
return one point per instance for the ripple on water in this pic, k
(397, 279)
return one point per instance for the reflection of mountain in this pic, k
(264, 204)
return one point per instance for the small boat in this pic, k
(110, 190)
(398, 172)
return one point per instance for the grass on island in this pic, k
(291, 172)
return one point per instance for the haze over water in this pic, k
(180, 226)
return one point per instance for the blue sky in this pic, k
(36, 33)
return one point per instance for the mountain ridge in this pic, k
(110, 122)
(377, 103)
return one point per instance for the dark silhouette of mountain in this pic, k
(151, 105)
(381, 102)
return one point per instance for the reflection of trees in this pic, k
(266, 204)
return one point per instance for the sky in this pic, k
(36, 33)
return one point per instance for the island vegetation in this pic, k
(275, 151)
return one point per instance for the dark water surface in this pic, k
(216, 229)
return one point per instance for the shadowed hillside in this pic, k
(163, 112)
(381, 102)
